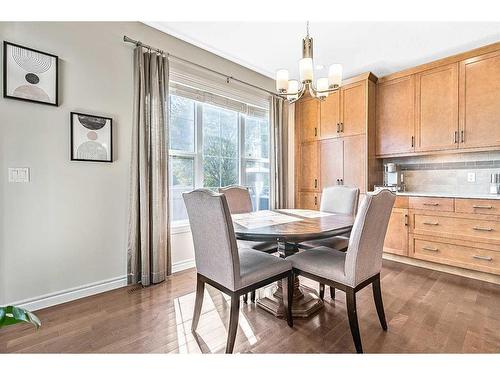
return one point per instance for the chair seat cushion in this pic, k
(256, 266)
(267, 247)
(339, 243)
(321, 261)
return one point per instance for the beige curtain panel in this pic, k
(149, 233)
(279, 126)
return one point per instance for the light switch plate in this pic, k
(471, 177)
(19, 175)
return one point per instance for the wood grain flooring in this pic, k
(427, 312)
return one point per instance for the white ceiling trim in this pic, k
(198, 43)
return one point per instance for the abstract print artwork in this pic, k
(91, 138)
(29, 75)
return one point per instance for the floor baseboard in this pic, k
(67, 295)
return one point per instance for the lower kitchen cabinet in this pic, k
(396, 238)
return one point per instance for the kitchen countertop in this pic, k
(449, 195)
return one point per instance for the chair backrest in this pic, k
(215, 248)
(340, 199)
(364, 254)
(238, 199)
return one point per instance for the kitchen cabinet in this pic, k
(395, 116)
(309, 201)
(355, 162)
(331, 162)
(480, 101)
(330, 116)
(308, 178)
(396, 238)
(436, 123)
(309, 119)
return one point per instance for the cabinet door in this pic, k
(396, 238)
(309, 118)
(330, 116)
(353, 112)
(480, 101)
(437, 109)
(309, 166)
(308, 201)
(331, 162)
(395, 116)
(355, 162)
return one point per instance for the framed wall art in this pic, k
(30, 75)
(91, 138)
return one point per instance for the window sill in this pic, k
(180, 226)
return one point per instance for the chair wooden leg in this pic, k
(377, 296)
(200, 290)
(287, 285)
(245, 298)
(353, 318)
(233, 323)
(321, 291)
(252, 296)
(332, 292)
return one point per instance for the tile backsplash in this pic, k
(448, 173)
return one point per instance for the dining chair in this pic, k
(222, 265)
(239, 202)
(360, 265)
(341, 200)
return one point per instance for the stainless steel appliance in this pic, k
(393, 177)
(495, 183)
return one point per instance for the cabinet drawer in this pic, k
(432, 204)
(444, 225)
(456, 255)
(478, 206)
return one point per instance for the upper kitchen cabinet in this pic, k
(308, 111)
(436, 120)
(353, 104)
(395, 116)
(343, 112)
(330, 116)
(480, 101)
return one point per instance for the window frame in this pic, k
(182, 225)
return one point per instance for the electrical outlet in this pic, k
(471, 177)
(21, 175)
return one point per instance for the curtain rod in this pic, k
(228, 78)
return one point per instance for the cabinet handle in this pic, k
(485, 207)
(406, 220)
(338, 127)
(315, 183)
(341, 181)
(489, 259)
(483, 229)
(462, 135)
(435, 249)
(315, 132)
(315, 200)
(429, 223)
(341, 127)
(431, 204)
(455, 137)
(412, 141)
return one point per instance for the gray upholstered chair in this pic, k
(221, 264)
(340, 200)
(360, 265)
(239, 202)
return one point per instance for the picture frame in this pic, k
(30, 75)
(91, 138)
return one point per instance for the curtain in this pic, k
(149, 232)
(279, 169)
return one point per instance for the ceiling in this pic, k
(379, 47)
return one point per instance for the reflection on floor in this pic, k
(427, 311)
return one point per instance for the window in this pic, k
(213, 146)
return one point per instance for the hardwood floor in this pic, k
(427, 312)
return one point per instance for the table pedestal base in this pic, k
(305, 300)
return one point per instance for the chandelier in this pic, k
(292, 90)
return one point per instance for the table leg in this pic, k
(305, 300)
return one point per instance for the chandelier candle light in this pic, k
(292, 91)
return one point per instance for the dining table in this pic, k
(289, 228)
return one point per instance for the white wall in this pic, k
(68, 226)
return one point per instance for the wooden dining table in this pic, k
(289, 228)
